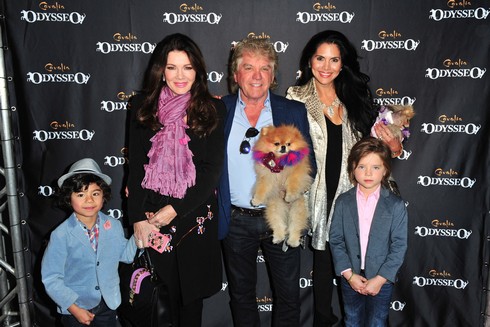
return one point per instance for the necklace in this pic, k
(335, 103)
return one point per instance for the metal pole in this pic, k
(7, 145)
(487, 276)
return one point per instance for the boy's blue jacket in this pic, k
(73, 272)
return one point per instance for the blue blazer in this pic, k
(387, 237)
(284, 111)
(73, 272)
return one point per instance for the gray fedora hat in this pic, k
(85, 166)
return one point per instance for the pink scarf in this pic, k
(170, 170)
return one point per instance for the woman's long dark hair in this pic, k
(351, 85)
(201, 113)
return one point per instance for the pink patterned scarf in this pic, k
(170, 170)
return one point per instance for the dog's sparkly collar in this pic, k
(276, 165)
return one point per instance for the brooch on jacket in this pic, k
(107, 225)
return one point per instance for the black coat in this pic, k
(195, 257)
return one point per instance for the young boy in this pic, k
(368, 236)
(79, 267)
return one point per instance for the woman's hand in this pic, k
(142, 230)
(387, 136)
(162, 217)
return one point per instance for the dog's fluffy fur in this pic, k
(283, 192)
(397, 118)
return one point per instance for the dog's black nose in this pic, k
(283, 149)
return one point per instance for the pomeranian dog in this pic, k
(397, 118)
(283, 171)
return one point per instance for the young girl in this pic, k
(79, 267)
(368, 236)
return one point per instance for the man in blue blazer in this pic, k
(242, 226)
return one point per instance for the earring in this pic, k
(163, 78)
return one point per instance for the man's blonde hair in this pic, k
(261, 47)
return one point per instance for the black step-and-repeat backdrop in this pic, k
(75, 63)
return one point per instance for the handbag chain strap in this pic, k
(135, 283)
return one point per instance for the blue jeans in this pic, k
(247, 233)
(366, 310)
(104, 317)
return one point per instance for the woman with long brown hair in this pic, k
(175, 157)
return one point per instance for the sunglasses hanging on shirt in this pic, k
(245, 145)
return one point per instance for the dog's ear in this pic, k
(298, 134)
(403, 110)
(265, 130)
(409, 112)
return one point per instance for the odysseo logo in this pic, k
(57, 73)
(61, 131)
(457, 10)
(215, 77)
(191, 14)
(110, 106)
(115, 213)
(439, 279)
(125, 43)
(320, 16)
(47, 14)
(446, 178)
(389, 41)
(442, 229)
(455, 69)
(264, 304)
(305, 282)
(450, 124)
(397, 306)
(298, 74)
(391, 97)
(279, 46)
(114, 161)
(45, 190)
(405, 154)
